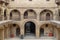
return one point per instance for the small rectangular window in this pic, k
(47, 0)
(30, 0)
(59, 12)
(12, 0)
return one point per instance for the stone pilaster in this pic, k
(7, 32)
(8, 14)
(55, 15)
(56, 33)
(38, 15)
(37, 32)
(22, 30)
(3, 14)
(1, 34)
(22, 17)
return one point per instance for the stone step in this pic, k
(31, 39)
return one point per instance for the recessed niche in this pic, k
(14, 25)
(46, 25)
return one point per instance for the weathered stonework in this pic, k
(39, 12)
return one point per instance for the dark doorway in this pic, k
(48, 16)
(30, 28)
(17, 31)
(41, 31)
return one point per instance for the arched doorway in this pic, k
(5, 16)
(14, 30)
(48, 16)
(17, 31)
(30, 28)
(47, 30)
(41, 31)
(30, 14)
(1, 14)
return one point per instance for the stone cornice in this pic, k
(31, 7)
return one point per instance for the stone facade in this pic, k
(36, 13)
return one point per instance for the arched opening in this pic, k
(17, 31)
(5, 16)
(1, 14)
(46, 15)
(30, 28)
(59, 14)
(41, 31)
(15, 15)
(14, 30)
(30, 14)
(47, 30)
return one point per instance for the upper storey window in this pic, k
(30, 14)
(46, 15)
(30, 0)
(59, 12)
(12, 0)
(47, 0)
(15, 15)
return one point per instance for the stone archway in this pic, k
(41, 31)
(47, 30)
(15, 15)
(30, 14)
(46, 15)
(14, 30)
(18, 31)
(29, 28)
(5, 14)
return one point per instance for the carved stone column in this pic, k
(1, 33)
